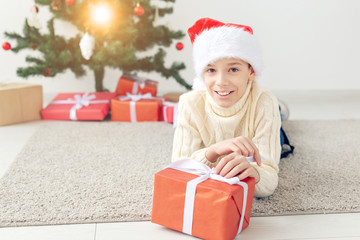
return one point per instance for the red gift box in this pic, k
(78, 106)
(170, 112)
(202, 207)
(135, 85)
(136, 108)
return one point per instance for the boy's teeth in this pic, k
(223, 93)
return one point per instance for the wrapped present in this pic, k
(20, 102)
(135, 85)
(136, 108)
(207, 206)
(170, 112)
(78, 106)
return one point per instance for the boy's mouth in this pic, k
(224, 93)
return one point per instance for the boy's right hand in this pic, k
(241, 145)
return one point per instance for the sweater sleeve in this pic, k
(267, 139)
(187, 139)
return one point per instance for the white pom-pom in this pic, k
(87, 44)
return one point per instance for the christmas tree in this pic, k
(111, 34)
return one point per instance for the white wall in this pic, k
(307, 44)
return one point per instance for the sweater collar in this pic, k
(239, 106)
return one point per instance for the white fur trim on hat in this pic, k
(225, 42)
(198, 84)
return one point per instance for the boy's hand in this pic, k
(241, 145)
(236, 164)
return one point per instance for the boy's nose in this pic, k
(221, 79)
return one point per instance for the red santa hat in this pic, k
(213, 40)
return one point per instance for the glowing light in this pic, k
(101, 14)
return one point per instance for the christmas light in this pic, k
(101, 14)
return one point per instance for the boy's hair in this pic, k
(213, 40)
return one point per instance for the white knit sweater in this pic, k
(201, 123)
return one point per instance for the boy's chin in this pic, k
(225, 103)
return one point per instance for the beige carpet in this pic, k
(85, 172)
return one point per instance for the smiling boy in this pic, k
(228, 116)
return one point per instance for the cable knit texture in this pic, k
(201, 123)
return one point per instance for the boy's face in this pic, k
(226, 80)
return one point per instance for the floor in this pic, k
(303, 105)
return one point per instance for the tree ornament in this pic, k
(139, 10)
(34, 20)
(47, 72)
(179, 46)
(6, 46)
(34, 9)
(56, 5)
(87, 45)
(69, 2)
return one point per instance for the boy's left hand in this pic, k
(235, 164)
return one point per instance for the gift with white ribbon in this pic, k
(134, 98)
(79, 101)
(166, 106)
(205, 172)
(189, 197)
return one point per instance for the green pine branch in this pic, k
(32, 70)
(37, 61)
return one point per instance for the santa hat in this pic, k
(213, 40)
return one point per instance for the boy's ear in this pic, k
(252, 74)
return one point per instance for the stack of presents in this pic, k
(134, 100)
(188, 196)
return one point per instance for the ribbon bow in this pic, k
(136, 97)
(204, 172)
(139, 82)
(83, 100)
(80, 101)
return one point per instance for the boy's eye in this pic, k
(210, 70)
(233, 70)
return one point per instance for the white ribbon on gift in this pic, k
(79, 102)
(139, 82)
(205, 172)
(133, 99)
(175, 113)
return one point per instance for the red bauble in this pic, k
(34, 9)
(139, 10)
(179, 46)
(69, 2)
(6, 46)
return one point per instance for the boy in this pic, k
(228, 116)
